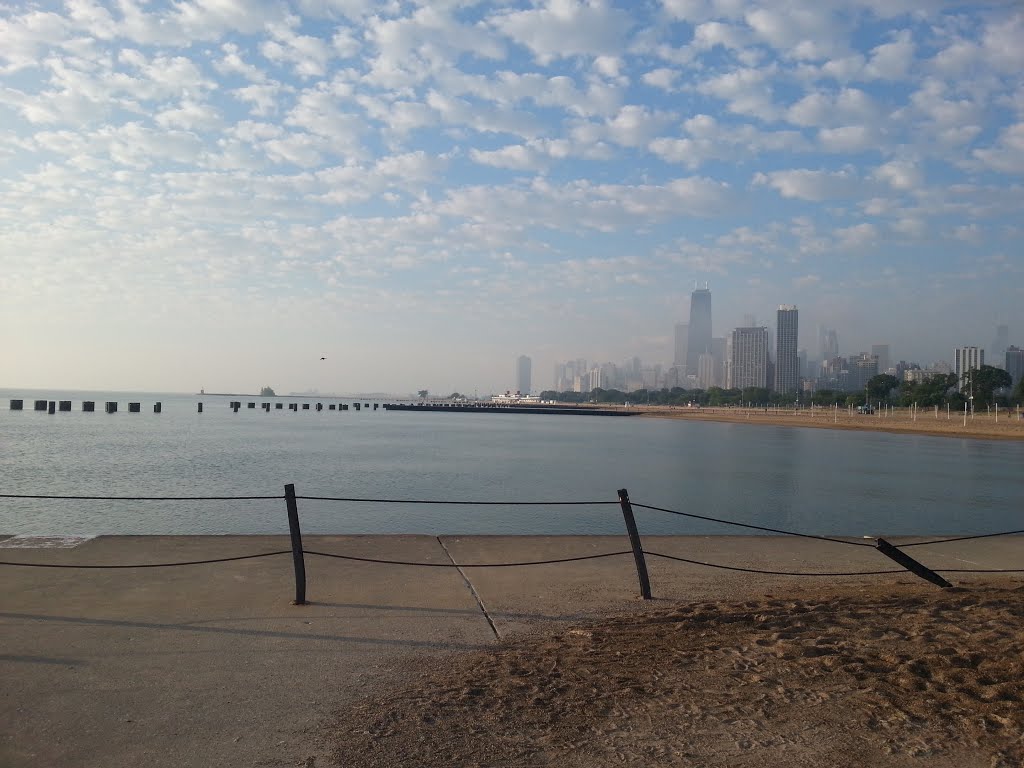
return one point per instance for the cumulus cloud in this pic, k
(233, 148)
(561, 28)
(814, 186)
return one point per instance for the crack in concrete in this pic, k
(472, 589)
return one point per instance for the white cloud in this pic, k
(24, 37)
(855, 237)
(233, 63)
(902, 175)
(561, 28)
(520, 157)
(806, 281)
(850, 106)
(815, 186)
(263, 97)
(747, 91)
(801, 31)
(662, 77)
(892, 61)
(190, 116)
(848, 138)
(308, 55)
(1007, 154)
(710, 140)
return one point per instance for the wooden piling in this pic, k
(634, 542)
(158, 407)
(200, 408)
(52, 407)
(296, 536)
(319, 406)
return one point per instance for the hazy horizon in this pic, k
(212, 194)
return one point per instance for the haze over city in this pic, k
(218, 194)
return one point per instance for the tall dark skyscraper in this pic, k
(699, 335)
(787, 364)
(523, 370)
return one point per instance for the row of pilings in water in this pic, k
(53, 406)
(89, 406)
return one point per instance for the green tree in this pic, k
(879, 387)
(984, 381)
(423, 393)
(755, 395)
(824, 397)
(1018, 392)
(267, 392)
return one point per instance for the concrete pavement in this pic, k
(211, 664)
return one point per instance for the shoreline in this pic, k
(981, 427)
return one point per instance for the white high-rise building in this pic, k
(747, 356)
(706, 370)
(966, 359)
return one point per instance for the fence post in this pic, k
(911, 564)
(296, 534)
(634, 541)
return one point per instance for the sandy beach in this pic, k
(987, 426)
(893, 675)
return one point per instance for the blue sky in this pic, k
(218, 193)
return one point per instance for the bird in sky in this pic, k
(323, 358)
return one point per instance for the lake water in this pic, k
(810, 480)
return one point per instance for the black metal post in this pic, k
(634, 541)
(911, 564)
(297, 559)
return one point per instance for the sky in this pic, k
(217, 193)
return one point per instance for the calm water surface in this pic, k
(811, 480)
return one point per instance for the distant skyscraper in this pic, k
(966, 359)
(828, 343)
(699, 337)
(718, 347)
(522, 374)
(1002, 341)
(787, 364)
(862, 369)
(831, 345)
(748, 358)
(706, 370)
(1015, 364)
(682, 335)
(881, 351)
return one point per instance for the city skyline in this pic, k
(358, 196)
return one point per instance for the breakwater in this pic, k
(548, 410)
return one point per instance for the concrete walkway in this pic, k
(211, 664)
